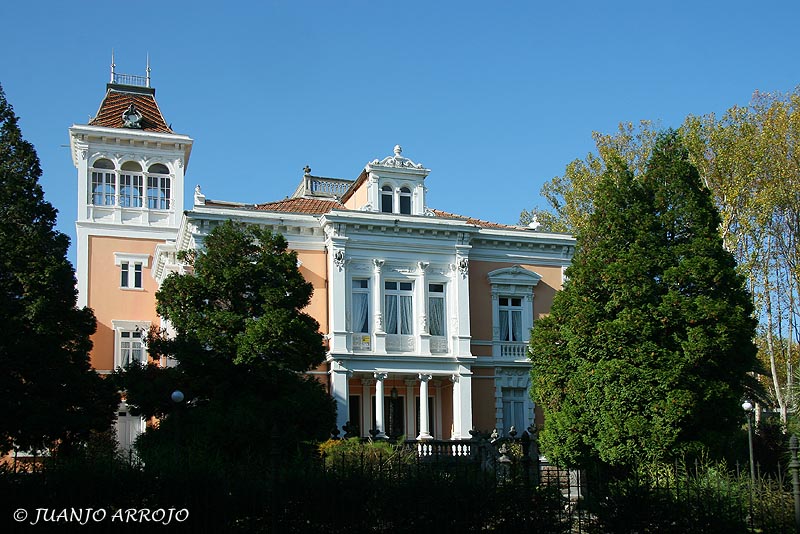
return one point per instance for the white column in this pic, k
(456, 407)
(379, 418)
(462, 404)
(421, 296)
(337, 297)
(366, 406)
(340, 392)
(424, 430)
(462, 347)
(411, 419)
(377, 306)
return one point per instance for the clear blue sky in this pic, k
(495, 97)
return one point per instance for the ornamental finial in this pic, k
(398, 150)
(147, 83)
(112, 65)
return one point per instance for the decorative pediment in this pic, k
(397, 161)
(514, 276)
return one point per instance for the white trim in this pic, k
(121, 325)
(120, 257)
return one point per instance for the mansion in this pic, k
(426, 311)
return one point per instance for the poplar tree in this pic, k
(49, 395)
(647, 350)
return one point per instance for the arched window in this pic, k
(387, 198)
(159, 187)
(131, 183)
(405, 200)
(103, 184)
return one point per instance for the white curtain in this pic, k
(391, 314)
(504, 325)
(516, 325)
(436, 316)
(406, 316)
(361, 312)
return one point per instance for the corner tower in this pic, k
(131, 167)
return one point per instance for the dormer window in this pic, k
(405, 201)
(387, 197)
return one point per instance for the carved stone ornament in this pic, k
(83, 153)
(132, 118)
(423, 323)
(378, 264)
(397, 161)
(338, 259)
(423, 266)
(463, 267)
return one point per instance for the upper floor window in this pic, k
(159, 188)
(405, 200)
(103, 187)
(387, 199)
(131, 267)
(436, 309)
(130, 275)
(510, 319)
(360, 302)
(399, 307)
(130, 185)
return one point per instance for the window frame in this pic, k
(404, 195)
(387, 192)
(439, 295)
(398, 292)
(362, 290)
(132, 268)
(125, 332)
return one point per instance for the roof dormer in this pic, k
(394, 184)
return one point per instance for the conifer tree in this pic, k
(49, 395)
(647, 350)
(243, 344)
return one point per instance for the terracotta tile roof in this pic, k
(117, 101)
(476, 222)
(311, 206)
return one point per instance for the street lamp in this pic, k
(177, 396)
(747, 406)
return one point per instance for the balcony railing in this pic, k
(513, 350)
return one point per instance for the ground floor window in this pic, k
(514, 409)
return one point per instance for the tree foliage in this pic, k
(646, 352)
(48, 392)
(748, 159)
(242, 344)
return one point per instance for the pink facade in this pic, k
(415, 303)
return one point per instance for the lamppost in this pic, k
(747, 406)
(177, 397)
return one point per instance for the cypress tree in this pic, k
(49, 395)
(647, 350)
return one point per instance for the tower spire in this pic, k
(147, 82)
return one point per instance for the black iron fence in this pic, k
(486, 484)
